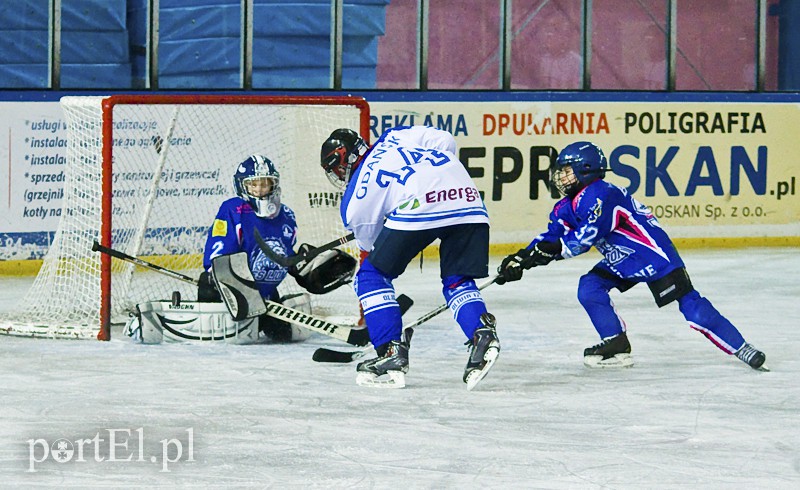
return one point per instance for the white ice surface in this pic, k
(685, 416)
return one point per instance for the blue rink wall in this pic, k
(104, 43)
(717, 169)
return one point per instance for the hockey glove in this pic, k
(511, 267)
(542, 254)
(325, 272)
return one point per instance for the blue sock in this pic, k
(465, 301)
(381, 311)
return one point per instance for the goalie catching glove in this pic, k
(325, 272)
(511, 267)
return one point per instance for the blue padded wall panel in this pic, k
(313, 78)
(198, 56)
(94, 47)
(200, 22)
(96, 75)
(206, 80)
(299, 51)
(23, 14)
(23, 46)
(76, 47)
(24, 76)
(93, 15)
(297, 18)
(197, 3)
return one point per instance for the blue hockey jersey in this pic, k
(232, 232)
(604, 216)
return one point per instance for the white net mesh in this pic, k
(172, 167)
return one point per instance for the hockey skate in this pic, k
(752, 357)
(612, 352)
(387, 370)
(483, 351)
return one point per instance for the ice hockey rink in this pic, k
(266, 416)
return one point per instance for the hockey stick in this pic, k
(329, 355)
(353, 336)
(237, 301)
(96, 247)
(300, 259)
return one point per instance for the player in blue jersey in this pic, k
(406, 191)
(257, 205)
(595, 213)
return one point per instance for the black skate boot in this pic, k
(483, 351)
(611, 352)
(752, 357)
(388, 369)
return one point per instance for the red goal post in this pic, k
(145, 175)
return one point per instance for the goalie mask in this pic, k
(340, 155)
(258, 182)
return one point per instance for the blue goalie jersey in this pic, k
(633, 244)
(232, 232)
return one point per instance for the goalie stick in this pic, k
(237, 302)
(349, 334)
(298, 261)
(329, 355)
(96, 247)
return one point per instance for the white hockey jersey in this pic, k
(411, 179)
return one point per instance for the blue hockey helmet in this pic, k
(340, 155)
(578, 165)
(257, 181)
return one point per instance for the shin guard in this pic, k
(465, 301)
(381, 311)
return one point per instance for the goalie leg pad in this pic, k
(237, 287)
(158, 321)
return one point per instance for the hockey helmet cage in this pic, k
(257, 181)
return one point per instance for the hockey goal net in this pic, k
(146, 175)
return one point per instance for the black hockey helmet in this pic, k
(340, 155)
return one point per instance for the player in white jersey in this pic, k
(406, 191)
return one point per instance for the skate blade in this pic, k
(618, 361)
(391, 380)
(475, 377)
(763, 368)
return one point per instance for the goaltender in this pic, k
(258, 207)
(233, 261)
